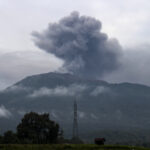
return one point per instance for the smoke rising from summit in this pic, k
(78, 41)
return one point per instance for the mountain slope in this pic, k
(101, 105)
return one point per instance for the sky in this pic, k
(127, 21)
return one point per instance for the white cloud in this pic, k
(15, 66)
(134, 68)
(93, 116)
(54, 114)
(59, 91)
(81, 114)
(125, 20)
(4, 113)
(99, 90)
(16, 88)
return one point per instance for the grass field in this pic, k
(69, 147)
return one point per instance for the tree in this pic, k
(9, 138)
(37, 128)
(1, 139)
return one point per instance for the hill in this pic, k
(120, 112)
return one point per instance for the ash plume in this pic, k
(78, 41)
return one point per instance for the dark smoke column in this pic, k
(78, 40)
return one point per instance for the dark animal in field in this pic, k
(99, 141)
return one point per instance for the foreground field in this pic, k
(69, 147)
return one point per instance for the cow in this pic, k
(99, 141)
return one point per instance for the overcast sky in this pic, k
(128, 21)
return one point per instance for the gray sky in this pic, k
(128, 21)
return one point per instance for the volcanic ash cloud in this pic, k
(79, 42)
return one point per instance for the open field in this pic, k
(69, 147)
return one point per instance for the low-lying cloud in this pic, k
(16, 88)
(99, 90)
(71, 90)
(4, 113)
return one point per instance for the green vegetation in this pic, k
(34, 129)
(69, 147)
(37, 129)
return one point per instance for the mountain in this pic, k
(104, 109)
